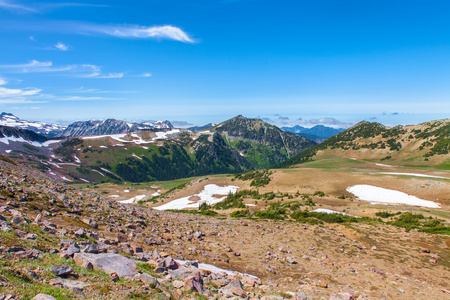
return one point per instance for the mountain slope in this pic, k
(247, 133)
(50, 130)
(429, 142)
(111, 126)
(234, 146)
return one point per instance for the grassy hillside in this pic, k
(426, 144)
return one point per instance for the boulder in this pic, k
(108, 262)
(62, 270)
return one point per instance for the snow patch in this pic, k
(377, 195)
(134, 199)
(413, 174)
(206, 195)
(8, 151)
(85, 180)
(383, 165)
(65, 178)
(214, 269)
(330, 211)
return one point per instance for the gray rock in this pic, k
(184, 272)
(72, 250)
(171, 263)
(62, 270)
(68, 284)
(147, 279)
(93, 248)
(108, 262)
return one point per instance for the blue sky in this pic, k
(305, 62)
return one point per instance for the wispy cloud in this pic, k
(146, 75)
(110, 75)
(6, 92)
(96, 91)
(41, 7)
(143, 32)
(81, 98)
(61, 46)
(79, 70)
(13, 6)
(331, 122)
(3, 81)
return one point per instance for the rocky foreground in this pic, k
(61, 242)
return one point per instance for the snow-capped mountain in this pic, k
(50, 130)
(111, 126)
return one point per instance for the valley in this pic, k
(262, 217)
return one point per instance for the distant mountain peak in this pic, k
(47, 129)
(111, 126)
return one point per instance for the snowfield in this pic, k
(377, 195)
(206, 195)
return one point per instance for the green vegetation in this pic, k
(275, 211)
(386, 214)
(259, 178)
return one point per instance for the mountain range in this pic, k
(96, 152)
(111, 126)
(50, 130)
(82, 128)
(318, 133)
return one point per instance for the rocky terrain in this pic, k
(67, 242)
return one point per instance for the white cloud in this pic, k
(110, 75)
(5, 92)
(3, 81)
(133, 31)
(146, 75)
(10, 5)
(83, 70)
(61, 46)
(331, 122)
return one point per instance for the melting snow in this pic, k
(85, 180)
(412, 174)
(65, 178)
(165, 134)
(377, 195)
(126, 191)
(77, 160)
(132, 200)
(48, 143)
(215, 269)
(206, 195)
(383, 165)
(138, 157)
(103, 147)
(8, 151)
(330, 211)
(99, 172)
